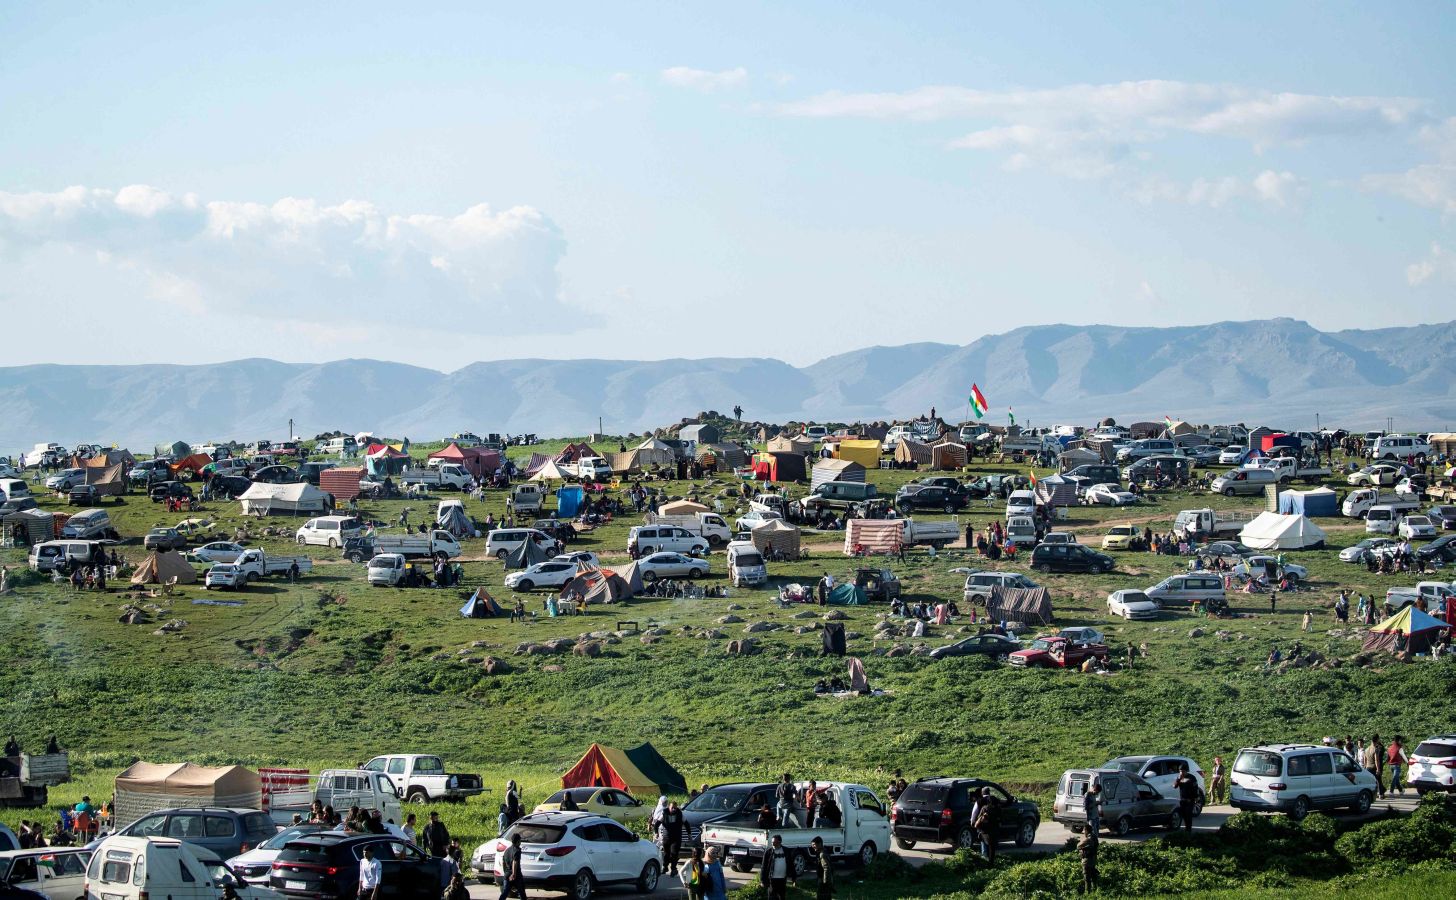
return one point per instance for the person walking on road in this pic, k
(1396, 758)
(371, 872)
(1187, 787)
(987, 824)
(1219, 785)
(1374, 763)
(670, 831)
(823, 868)
(1092, 808)
(512, 879)
(776, 874)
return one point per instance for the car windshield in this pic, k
(1436, 749)
(1418, 520)
(1133, 765)
(535, 832)
(717, 801)
(929, 794)
(749, 559)
(1259, 762)
(1135, 597)
(1040, 644)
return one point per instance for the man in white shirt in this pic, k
(370, 873)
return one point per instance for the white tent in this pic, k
(1272, 531)
(551, 471)
(300, 499)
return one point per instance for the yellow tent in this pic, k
(866, 453)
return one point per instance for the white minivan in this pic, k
(1400, 446)
(1382, 519)
(1021, 503)
(502, 542)
(14, 488)
(329, 531)
(1299, 778)
(135, 868)
(745, 564)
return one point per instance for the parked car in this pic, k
(1357, 552)
(83, 495)
(1378, 475)
(979, 584)
(221, 830)
(993, 645)
(550, 574)
(1441, 551)
(579, 852)
(164, 539)
(1185, 589)
(1205, 454)
(256, 865)
(1121, 537)
(612, 803)
(1244, 482)
(1020, 503)
(1108, 495)
(135, 868)
(1443, 516)
(928, 496)
(217, 552)
(1433, 765)
(1232, 551)
(89, 524)
(1161, 772)
(1070, 558)
(502, 542)
(58, 873)
(1416, 528)
(1082, 634)
(1056, 652)
(1232, 455)
(224, 576)
(325, 866)
(739, 801)
(652, 538)
(671, 565)
(942, 810)
(329, 531)
(163, 490)
(580, 557)
(754, 518)
(276, 474)
(1129, 803)
(65, 479)
(1299, 778)
(1291, 571)
(1133, 604)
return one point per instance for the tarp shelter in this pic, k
(700, 434)
(342, 482)
(778, 467)
(1030, 605)
(913, 452)
(478, 461)
(1275, 439)
(568, 501)
(833, 639)
(1318, 502)
(873, 535)
(481, 605)
(534, 464)
(161, 568)
(725, 457)
(1054, 490)
(106, 459)
(847, 594)
(639, 771)
(526, 555)
(29, 526)
(596, 585)
(1442, 442)
(682, 508)
(653, 443)
(836, 470)
(179, 449)
(1274, 531)
(1176, 429)
(777, 535)
(191, 464)
(1078, 456)
(640, 459)
(948, 456)
(574, 452)
(866, 453)
(384, 460)
(302, 499)
(550, 471)
(797, 444)
(1408, 630)
(109, 481)
(631, 577)
(450, 516)
(147, 787)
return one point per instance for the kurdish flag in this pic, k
(1011, 415)
(978, 401)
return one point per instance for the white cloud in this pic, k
(1432, 185)
(621, 78)
(300, 259)
(1277, 189)
(704, 80)
(1441, 263)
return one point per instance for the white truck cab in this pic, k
(137, 868)
(421, 777)
(862, 834)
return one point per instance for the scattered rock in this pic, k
(710, 634)
(525, 647)
(479, 644)
(463, 652)
(613, 640)
(920, 650)
(898, 650)
(851, 635)
(835, 615)
(648, 639)
(1195, 632)
(759, 627)
(553, 668)
(805, 614)
(656, 631)
(493, 666)
(729, 620)
(590, 649)
(734, 607)
(560, 645)
(600, 635)
(474, 660)
(625, 632)
(803, 629)
(742, 647)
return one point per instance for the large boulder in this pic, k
(493, 666)
(729, 620)
(760, 627)
(835, 615)
(591, 649)
(742, 647)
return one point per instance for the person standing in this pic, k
(784, 802)
(694, 876)
(1307, 621)
(1396, 758)
(1087, 849)
(1374, 762)
(811, 803)
(1273, 601)
(1187, 787)
(823, 868)
(716, 885)
(1092, 808)
(437, 836)
(987, 823)
(371, 873)
(775, 873)
(1220, 780)
(512, 880)
(670, 831)
(410, 832)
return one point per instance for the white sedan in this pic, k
(1292, 571)
(1412, 527)
(582, 557)
(224, 576)
(1356, 553)
(1108, 495)
(1132, 604)
(1375, 476)
(754, 518)
(671, 565)
(552, 574)
(218, 552)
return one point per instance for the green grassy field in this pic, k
(331, 672)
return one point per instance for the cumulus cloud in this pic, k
(1431, 184)
(705, 80)
(1276, 189)
(300, 259)
(1440, 263)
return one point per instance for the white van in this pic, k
(135, 868)
(1020, 503)
(88, 524)
(14, 488)
(329, 531)
(57, 872)
(48, 556)
(656, 538)
(1298, 778)
(337, 446)
(745, 564)
(1382, 519)
(503, 541)
(1400, 446)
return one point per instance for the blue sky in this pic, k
(477, 181)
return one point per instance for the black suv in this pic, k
(938, 811)
(738, 802)
(164, 489)
(326, 867)
(928, 496)
(1070, 558)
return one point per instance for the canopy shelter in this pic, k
(534, 464)
(161, 568)
(105, 459)
(342, 482)
(778, 536)
(1442, 442)
(769, 466)
(481, 605)
(301, 499)
(597, 585)
(797, 444)
(724, 457)
(653, 443)
(568, 501)
(836, 470)
(384, 460)
(478, 461)
(1409, 630)
(700, 434)
(1030, 605)
(1078, 456)
(639, 771)
(28, 526)
(550, 471)
(147, 787)
(527, 554)
(640, 459)
(873, 535)
(1274, 531)
(866, 453)
(109, 481)
(1318, 502)
(190, 466)
(574, 452)
(912, 452)
(1054, 490)
(948, 456)
(682, 508)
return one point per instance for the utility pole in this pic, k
(289, 435)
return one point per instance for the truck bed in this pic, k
(743, 845)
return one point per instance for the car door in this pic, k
(1344, 783)
(1157, 773)
(624, 849)
(1146, 808)
(595, 844)
(1328, 788)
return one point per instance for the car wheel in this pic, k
(867, 854)
(1042, 567)
(1026, 834)
(1198, 805)
(417, 797)
(1363, 801)
(649, 576)
(1174, 821)
(1123, 827)
(501, 555)
(741, 865)
(356, 557)
(1292, 579)
(333, 544)
(302, 541)
(950, 509)
(799, 864)
(582, 885)
(965, 838)
(696, 573)
(1300, 809)
(525, 584)
(1102, 568)
(1228, 492)
(904, 843)
(647, 881)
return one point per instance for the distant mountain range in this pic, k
(1279, 372)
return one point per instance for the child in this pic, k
(501, 822)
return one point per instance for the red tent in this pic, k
(478, 461)
(190, 466)
(342, 482)
(573, 452)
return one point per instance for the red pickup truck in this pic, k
(1053, 652)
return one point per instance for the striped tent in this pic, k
(638, 771)
(910, 451)
(948, 456)
(874, 535)
(778, 535)
(1409, 630)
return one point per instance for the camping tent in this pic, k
(866, 453)
(777, 535)
(550, 471)
(1273, 531)
(847, 593)
(161, 568)
(179, 449)
(1318, 502)
(1408, 630)
(302, 499)
(836, 470)
(597, 585)
(527, 554)
(568, 501)
(1078, 456)
(700, 434)
(382, 459)
(682, 508)
(769, 466)
(1030, 605)
(450, 515)
(478, 461)
(342, 482)
(725, 457)
(873, 535)
(913, 452)
(147, 787)
(1054, 490)
(574, 452)
(481, 605)
(797, 444)
(631, 576)
(948, 455)
(638, 771)
(29, 526)
(109, 481)
(653, 443)
(190, 465)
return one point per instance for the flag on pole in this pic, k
(978, 401)
(1167, 421)
(1011, 415)
(1033, 476)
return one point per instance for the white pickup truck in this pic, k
(289, 791)
(438, 543)
(1211, 523)
(1358, 503)
(449, 475)
(934, 534)
(1288, 469)
(589, 468)
(1435, 593)
(863, 834)
(256, 564)
(710, 526)
(421, 778)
